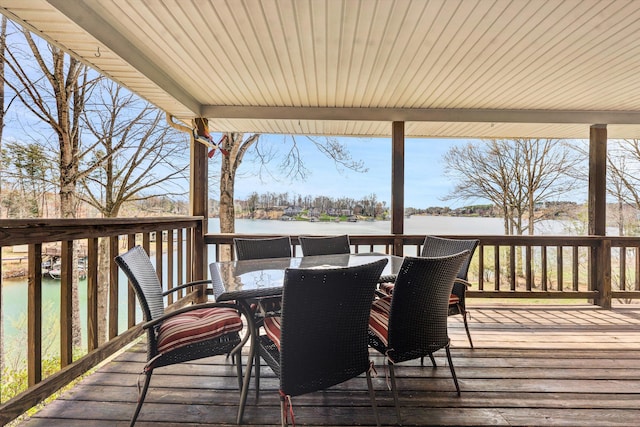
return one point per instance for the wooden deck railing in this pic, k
(178, 237)
(594, 268)
(599, 269)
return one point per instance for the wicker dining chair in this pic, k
(438, 246)
(189, 333)
(412, 322)
(321, 338)
(271, 247)
(325, 245)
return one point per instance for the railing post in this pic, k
(397, 186)
(601, 273)
(199, 199)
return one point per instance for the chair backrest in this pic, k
(275, 247)
(137, 266)
(419, 305)
(325, 317)
(440, 246)
(324, 245)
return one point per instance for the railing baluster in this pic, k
(170, 272)
(559, 266)
(623, 268)
(481, 266)
(543, 267)
(181, 260)
(496, 262)
(34, 316)
(113, 288)
(512, 267)
(576, 261)
(131, 295)
(66, 303)
(159, 261)
(528, 269)
(189, 258)
(92, 293)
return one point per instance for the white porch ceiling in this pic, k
(449, 68)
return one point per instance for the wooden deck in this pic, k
(532, 366)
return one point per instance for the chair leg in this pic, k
(453, 371)
(466, 325)
(283, 411)
(239, 370)
(257, 377)
(433, 360)
(394, 389)
(141, 396)
(372, 394)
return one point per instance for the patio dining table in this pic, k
(244, 281)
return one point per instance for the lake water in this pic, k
(441, 225)
(14, 291)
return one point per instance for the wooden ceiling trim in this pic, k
(400, 114)
(97, 27)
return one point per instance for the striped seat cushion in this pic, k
(272, 327)
(197, 325)
(387, 288)
(379, 319)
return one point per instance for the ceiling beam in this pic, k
(422, 115)
(90, 21)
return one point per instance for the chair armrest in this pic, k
(388, 278)
(460, 287)
(166, 316)
(463, 282)
(186, 285)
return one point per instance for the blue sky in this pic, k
(425, 182)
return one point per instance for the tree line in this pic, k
(366, 206)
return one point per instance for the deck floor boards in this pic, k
(532, 366)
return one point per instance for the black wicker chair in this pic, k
(189, 333)
(412, 322)
(324, 245)
(275, 247)
(439, 246)
(271, 247)
(321, 338)
(265, 248)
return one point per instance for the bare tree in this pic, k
(54, 91)
(623, 173)
(292, 165)
(517, 176)
(137, 157)
(3, 44)
(623, 182)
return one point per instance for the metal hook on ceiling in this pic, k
(97, 54)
